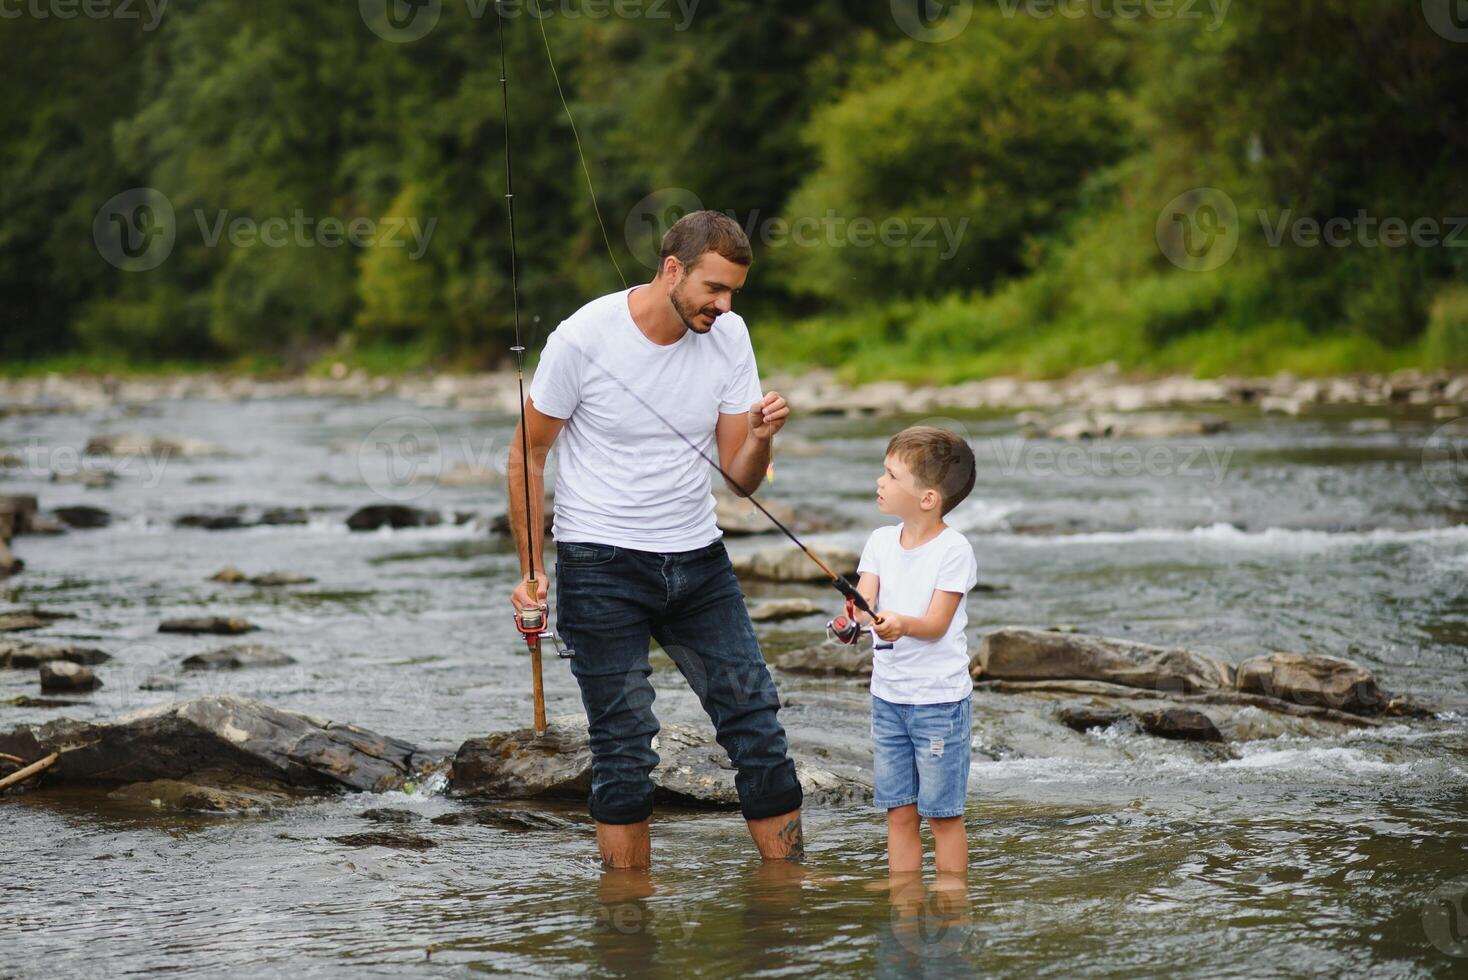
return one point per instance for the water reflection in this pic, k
(627, 930)
(930, 931)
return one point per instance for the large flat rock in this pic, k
(1312, 679)
(1019, 654)
(694, 770)
(828, 660)
(787, 563)
(220, 734)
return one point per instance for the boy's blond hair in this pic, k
(939, 460)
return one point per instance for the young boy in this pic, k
(916, 575)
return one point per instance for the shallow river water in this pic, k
(1106, 854)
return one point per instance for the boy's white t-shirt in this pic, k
(623, 477)
(921, 671)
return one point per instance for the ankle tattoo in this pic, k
(794, 841)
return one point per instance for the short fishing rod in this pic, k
(530, 621)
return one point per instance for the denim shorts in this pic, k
(921, 755)
(610, 601)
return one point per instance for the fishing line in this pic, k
(839, 581)
(576, 135)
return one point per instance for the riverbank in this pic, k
(819, 391)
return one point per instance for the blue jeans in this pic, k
(610, 601)
(921, 755)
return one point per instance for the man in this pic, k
(638, 554)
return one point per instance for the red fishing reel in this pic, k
(531, 622)
(532, 625)
(845, 629)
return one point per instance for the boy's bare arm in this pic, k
(932, 625)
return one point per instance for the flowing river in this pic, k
(1100, 854)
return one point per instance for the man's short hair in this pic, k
(939, 460)
(700, 232)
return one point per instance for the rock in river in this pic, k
(233, 576)
(28, 619)
(694, 771)
(16, 513)
(63, 675)
(1328, 682)
(235, 736)
(203, 793)
(137, 444)
(273, 579)
(1016, 653)
(787, 563)
(219, 625)
(9, 564)
(737, 516)
(20, 654)
(392, 515)
(828, 660)
(82, 517)
(238, 657)
(1177, 723)
(773, 610)
(1130, 425)
(1180, 723)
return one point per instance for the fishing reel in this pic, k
(847, 630)
(531, 622)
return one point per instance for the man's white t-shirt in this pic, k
(624, 477)
(921, 671)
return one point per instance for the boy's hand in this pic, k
(889, 625)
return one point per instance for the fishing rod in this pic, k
(854, 599)
(844, 629)
(844, 586)
(530, 621)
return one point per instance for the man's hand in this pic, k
(523, 597)
(890, 626)
(767, 416)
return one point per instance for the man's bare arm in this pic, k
(541, 430)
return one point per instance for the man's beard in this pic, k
(687, 313)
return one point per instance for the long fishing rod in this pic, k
(848, 590)
(853, 597)
(530, 621)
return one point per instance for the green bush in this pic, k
(1446, 342)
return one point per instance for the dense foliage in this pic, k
(1010, 198)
